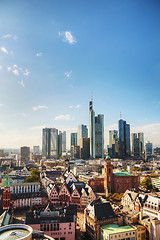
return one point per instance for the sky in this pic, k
(57, 54)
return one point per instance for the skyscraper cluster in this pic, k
(53, 143)
(138, 144)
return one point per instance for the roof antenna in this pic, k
(120, 115)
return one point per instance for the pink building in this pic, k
(59, 224)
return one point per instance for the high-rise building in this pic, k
(124, 136)
(99, 136)
(75, 152)
(113, 137)
(36, 149)
(85, 148)
(137, 144)
(25, 154)
(73, 139)
(50, 143)
(82, 133)
(148, 148)
(61, 143)
(92, 129)
(141, 143)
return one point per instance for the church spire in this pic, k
(7, 182)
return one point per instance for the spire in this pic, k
(7, 182)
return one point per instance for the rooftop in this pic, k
(114, 228)
(123, 174)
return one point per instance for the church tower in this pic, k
(6, 194)
(108, 176)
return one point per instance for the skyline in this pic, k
(54, 55)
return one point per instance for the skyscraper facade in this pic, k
(73, 139)
(61, 143)
(113, 137)
(82, 133)
(92, 129)
(50, 143)
(124, 136)
(25, 154)
(138, 144)
(141, 143)
(148, 148)
(99, 136)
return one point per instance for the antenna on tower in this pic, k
(91, 96)
(120, 115)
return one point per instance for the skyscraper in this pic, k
(124, 136)
(25, 154)
(50, 143)
(113, 137)
(141, 143)
(148, 148)
(92, 129)
(61, 143)
(99, 136)
(73, 139)
(82, 133)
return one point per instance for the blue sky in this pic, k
(55, 54)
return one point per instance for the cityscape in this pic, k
(80, 129)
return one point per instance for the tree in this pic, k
(146, 183)
(35, 176)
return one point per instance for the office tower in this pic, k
(124, 137)
(50, 143)
(127, 142)
(36, 149)
(61, 143)
(113, 137)
(73, 139)
(148, 148)
(92, 129)
(75, 152)
(25, 154)
(141, 143)
(135, 144)
(85, 148)
(99, 136)
(82, 133)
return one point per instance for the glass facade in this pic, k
(82, 133)
(50, 143)
(92, 130)
(99, 136)
(73, 139)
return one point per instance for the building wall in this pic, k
(62, 230)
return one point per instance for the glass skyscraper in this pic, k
(92, 129)
(50, 143)
(124, 136)
(82, 133)
(73, 139)
(99, 136)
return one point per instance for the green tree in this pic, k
(146, 183)
(35, 176)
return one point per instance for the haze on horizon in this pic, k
(55, 54)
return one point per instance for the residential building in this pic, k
(118, 181)
(25, 154)
(98, 213)
(73, 139)
(50, 143)
(82, 133)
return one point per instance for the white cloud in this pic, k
(39, 54)
(37, 127)
(10, 36)
(16, 72)
(9, 69)
(26, 73)
(1, 105)
(39, 107)
(4, 50)
(21, 83)
(67, 37)
(68, 74)
(65, 117)
(1, 67)
(76, 107)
